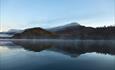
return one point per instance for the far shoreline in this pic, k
(57, 39)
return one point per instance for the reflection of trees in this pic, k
(70, 48)
(82, 47)
(33, 46)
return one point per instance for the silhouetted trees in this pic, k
(79, 32)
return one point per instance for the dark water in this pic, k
(57, 55)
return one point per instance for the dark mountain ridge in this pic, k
(34, 33)
(70, 31)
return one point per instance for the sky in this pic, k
(22, 14)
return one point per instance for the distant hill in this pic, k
(69, 31)
(8, 34)
(34, 33)
(63, 27)
(11, 31)
(14, 31)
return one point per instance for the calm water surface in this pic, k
(57, 55)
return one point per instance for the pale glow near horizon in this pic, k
(22, 14)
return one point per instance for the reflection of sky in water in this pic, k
(17, 58)
(3, 49)
(24, 60)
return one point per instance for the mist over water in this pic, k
(49, 54)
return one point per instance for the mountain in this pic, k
(9, 33)
(64, 27)
(75, 30)
(15, 31)
(69, 31)
(34, 33)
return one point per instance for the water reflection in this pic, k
(57, 55)
(72, 48)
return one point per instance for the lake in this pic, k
(57, 54)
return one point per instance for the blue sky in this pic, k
(21, 14)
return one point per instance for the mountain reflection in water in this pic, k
(70, 47)
(57, 55)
